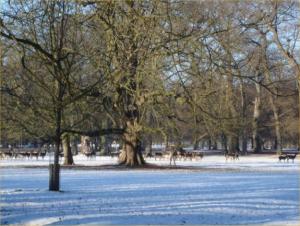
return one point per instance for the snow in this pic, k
(252, 162)
(260, 191)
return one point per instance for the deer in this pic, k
(173, 155)
(43, 154)
(90, 154)
(198, 155)
(291, 156)
(35, 154)
(233, 156)
(282, 157)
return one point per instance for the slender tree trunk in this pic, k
(244, 143)
(257, 146)
(299, 111)
(148, 148)
(166, 142)
(57, 139)
(196, 143)
(68, 158)
(106, 141)
(224, 141)
(243, 117)
(74, 147)
(271, 97)
(277, 126)
(209, 143)
(54, 177)
(233, 144)
(215, 145)
(102, 149)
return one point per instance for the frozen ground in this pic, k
(251, 162)
(262, 191)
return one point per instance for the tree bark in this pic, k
(224, 141)
(244, 144)
(257, 146)
(278, 140)
(148, 148)
(209, 143)
(196, 144)
(54, 170)
(215, 145)
(243, 118)
(68, 158)
(131, 154)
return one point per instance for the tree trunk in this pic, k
(233, 144)
(102, 149)
(106, 141)
(54, 169)
(244, 144)
(224, 141)
(131, 154)
(277, 126)
(243, 117)
(209, 143)
(166, 142)
(196, 144)
(299, 111)
(68, 158)
(271, 97)
(215, 145)
(148, 148)
(256, 116)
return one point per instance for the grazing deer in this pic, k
(173, 156)
(158, 155)
(35, 154)
(282, 157)
(198, 155)
(43, 154)
(115, 154)
(181, 153)
(8, 154)
(90, 154)
(233, 156)
(25, 154)
(148, 155)
(291, 156)
(189, 155)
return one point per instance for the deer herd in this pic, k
(174, 154)
(21, 153)
(171, 154)
(287, 157)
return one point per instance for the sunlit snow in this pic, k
(259, 191)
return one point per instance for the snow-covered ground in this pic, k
(260, 191)
(252, 162)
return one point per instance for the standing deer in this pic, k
(282, 157)
(173, 155)
(291, 156)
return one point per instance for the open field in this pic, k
(260, 162)
(259, 190)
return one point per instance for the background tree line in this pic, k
(221, 72)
